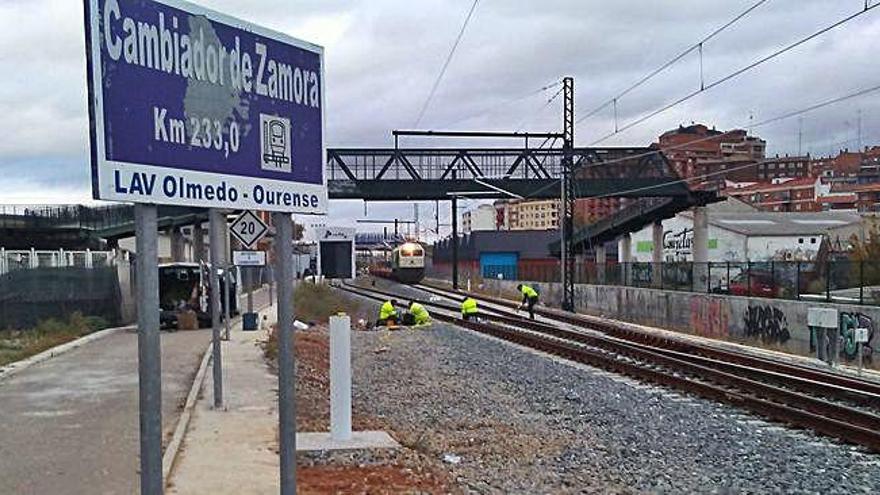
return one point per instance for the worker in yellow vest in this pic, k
(529, 299)
(468, 308)
(418, 315)
(387, 314)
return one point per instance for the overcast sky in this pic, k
(382, 57)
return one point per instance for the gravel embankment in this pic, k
(519, 422)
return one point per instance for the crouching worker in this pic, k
(387, 314)
(469, 308)
(417, 315)
(529, 299)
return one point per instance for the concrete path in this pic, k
(70, 424)
(233, 450)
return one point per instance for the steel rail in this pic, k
(843, 422)
(765, 373)
(729, 356)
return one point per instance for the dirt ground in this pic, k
(403, 472)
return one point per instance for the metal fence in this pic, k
(11, 260)
(853, 282)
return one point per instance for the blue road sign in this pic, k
(192, 107)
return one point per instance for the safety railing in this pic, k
(12, 260)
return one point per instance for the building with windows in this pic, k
(480, 218)
(868, 198)
(785, 167)
(781, 195)
(527, 214)
(750, 235)
(686, 146)
(869, 168)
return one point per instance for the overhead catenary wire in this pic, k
(787, 115)
(543, 107)
(445, 64)
(696, 46)
(735, 73)
(501, 104)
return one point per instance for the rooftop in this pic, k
(838, 199)
(782, 186)
(783, 224)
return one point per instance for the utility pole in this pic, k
(566, 223)
(454, 237)
(859, 130)
(416, 219)
(800, 134)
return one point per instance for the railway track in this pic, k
(870, 390)
(828, 403)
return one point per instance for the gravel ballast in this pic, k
(505, 419)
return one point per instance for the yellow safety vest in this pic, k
(469, 306)
(528, 291)
(420, 314)
(387, 311)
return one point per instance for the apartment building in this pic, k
(527, 214)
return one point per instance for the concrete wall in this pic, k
(771, 323)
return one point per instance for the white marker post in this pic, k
(861, 340)
(340, 377)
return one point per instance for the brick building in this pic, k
(716, 172)
(785, 166)
(868, 198)
(790, 195)
(869, 168)
(686, 146)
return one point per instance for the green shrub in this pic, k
(19, 344)
(317, 302)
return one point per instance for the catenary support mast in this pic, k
(566, 224)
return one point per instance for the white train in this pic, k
(408, 263)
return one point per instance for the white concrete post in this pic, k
(33, 262)
(657, 254)
(3, 261)
(89, 262)
(701, 249)
(625, 256)
(601, 257)
(340, 377)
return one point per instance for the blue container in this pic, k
(249, 321)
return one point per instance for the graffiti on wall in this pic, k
(766, 323)
(848, 324)
(678, 245)
(710, 317)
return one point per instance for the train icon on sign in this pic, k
(275, 145)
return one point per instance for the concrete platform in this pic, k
(360, 440)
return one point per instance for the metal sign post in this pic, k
(216, 232)
(227, 310)
(245, 262)
(149, 351)
(286, 371)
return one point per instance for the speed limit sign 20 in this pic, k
(248, 228)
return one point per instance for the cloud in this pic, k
(383, 55)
